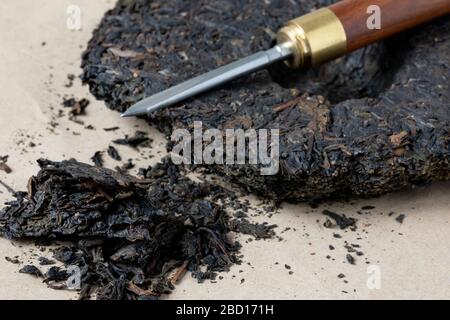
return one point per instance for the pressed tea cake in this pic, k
(373, 122)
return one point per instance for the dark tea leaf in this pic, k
(130, 238)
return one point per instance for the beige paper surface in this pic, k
(412, 258)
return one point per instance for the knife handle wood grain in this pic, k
(395, 16)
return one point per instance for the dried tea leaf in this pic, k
(12, 260)
(341, 220)
(97, 158)
(400, 218)
(78, 107)
(31, 270)
(3, 165)
(43, 261)
(350, 258)
(130, 238)
(138, 138)
(114, 154)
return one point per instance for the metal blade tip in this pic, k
(133, 111)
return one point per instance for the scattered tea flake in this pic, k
(56, 274)
(350, 259)
(69, 103)
(78, 108)
(349, 248)
(341, 275)
(43, 261)
(12, 260)
(258, 230)
(367, 207)
(114, 154)
(127, 166)
(138, 138)
(341, 220)
(328, 224)
(32, 270)
(97, 159)
(286, 266)
(400, 218)
(111, 129)
(70, 78)
(3, 165)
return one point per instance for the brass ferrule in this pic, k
(315, 38)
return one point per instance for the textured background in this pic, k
(414, 264)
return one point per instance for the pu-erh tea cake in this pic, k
(373, 122)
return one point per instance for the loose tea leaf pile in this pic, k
(373, 122)
(3, 166)
(130, 238)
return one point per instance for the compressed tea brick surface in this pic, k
(373, 122)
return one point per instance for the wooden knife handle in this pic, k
(331, 32)
(395, 16)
